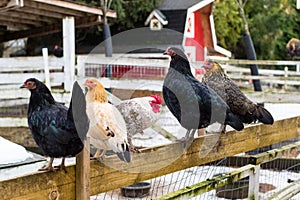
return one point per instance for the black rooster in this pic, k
(239, 104)
(194, 104)
(57, 130)
(58, 51)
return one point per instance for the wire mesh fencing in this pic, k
(274, 176)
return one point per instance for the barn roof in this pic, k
(24, 18)
(177, 5)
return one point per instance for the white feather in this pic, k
(103, 115)
(138, 114)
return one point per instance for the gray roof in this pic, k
(160, 14)
(177, 4)
(143, 40)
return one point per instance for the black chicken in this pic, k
(58, 51)
(239, 104)
(194, 104)
(57, 130)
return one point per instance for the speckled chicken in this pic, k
(239, 104)
(194, 104)
(139, 113)
(59, 131)
(107, 127)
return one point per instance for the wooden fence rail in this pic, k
(252, 170)
(152, 162)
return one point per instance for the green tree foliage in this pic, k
(130, 13)
(271, 24)
(275, 24)
(228, 24)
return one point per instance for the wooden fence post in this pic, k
(286, 69)
(82, 180)
(81, 66)
(254, 184)
(69, 51)
(46, 67)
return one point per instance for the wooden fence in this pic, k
(149, 69)
(251, 170)
(133, 72)
(113, 173)
(14, 71)
(107, 175)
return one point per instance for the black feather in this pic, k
(53, 125)
(263, 115)
(77, 111)
(125, 155)
(194, 104)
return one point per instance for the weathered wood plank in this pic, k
(83, 172)
(275, 153)
(40, 185)
(154, 162)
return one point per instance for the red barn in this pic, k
(185, 24)
(194, 20)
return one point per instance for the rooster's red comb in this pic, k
(157, 98)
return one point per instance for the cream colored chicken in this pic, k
(107, 127)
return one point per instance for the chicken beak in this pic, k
(23, 86)
(85, 84)
(165, 53)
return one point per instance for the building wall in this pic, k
(194, 37)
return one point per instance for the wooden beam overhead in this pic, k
(29, 18)
(46, 13)
(56, 9)
(6, 5)
(23, 15)
(53, 28)
(78, 6)
(22, 21)
(14, 26)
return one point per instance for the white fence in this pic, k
(129, 71)
(14, 71)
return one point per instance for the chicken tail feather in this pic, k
(77, 111)
(125, 155)
(263, 115)
(234, 121)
